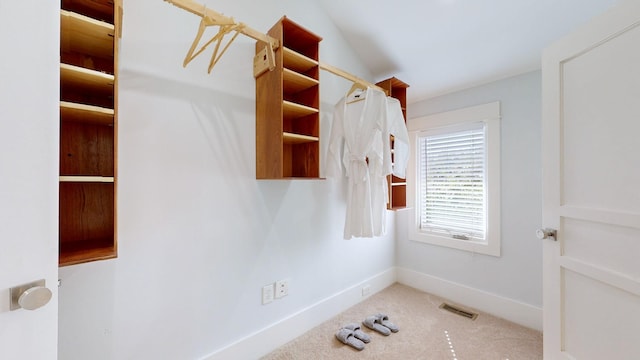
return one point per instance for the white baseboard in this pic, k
(508, 309)
(270, 338)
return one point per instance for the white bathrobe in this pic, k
(360, 133)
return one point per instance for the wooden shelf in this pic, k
(288, 106)
(71, 75)
(88, 131)
(87, 149)
(96, 9)
(86, 86)
(81, 252)
(98, 179)
(85, 113)
(82, 34)
(297, 62)
(399, 196)
(294, 82)
(290, 138)
(293, 110)
(396, 208)
(87, 219)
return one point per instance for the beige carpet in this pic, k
(426, 332)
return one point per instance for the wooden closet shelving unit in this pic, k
(88, 130)
(288, 106)
(397, 186)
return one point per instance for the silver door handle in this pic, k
(546, 234)
(29, 296)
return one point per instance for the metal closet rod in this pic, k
(227, 24)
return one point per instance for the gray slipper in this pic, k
(373, 323)
(384, 320)
(347, 337)
(358, 333)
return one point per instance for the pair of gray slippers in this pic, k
(353, 335)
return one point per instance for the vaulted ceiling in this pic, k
(440, 46)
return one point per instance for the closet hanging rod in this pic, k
(356, 80)
(227, 24)
(220, 19)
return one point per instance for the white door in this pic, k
(591, 182)
(29, 122)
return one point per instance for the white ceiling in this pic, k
(440, 46)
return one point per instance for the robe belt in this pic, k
(358, 168)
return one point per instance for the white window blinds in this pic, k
(451, 182)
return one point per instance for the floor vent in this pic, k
(458, 311)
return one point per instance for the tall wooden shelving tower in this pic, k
(288, 106)
(88, 130)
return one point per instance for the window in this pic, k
(454, 183)
(451, 182)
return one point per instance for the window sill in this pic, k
(479, 247)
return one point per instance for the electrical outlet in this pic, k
(366, 290)
(267, 294)
(282, 288)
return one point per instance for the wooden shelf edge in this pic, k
(291, 138)
(98, 179)
(66, 14)
(67, 105)
(297, 110)
(297, 81)
(85, 107)
(296, 61)
(83, 35)
(398, 184)
(398, 208)
(83, 113)
(85, 255)
(85, 73)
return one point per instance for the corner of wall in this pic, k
(508, 309)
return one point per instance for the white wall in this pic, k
(198, 235)
(517, 273)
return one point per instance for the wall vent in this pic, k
(458, 311)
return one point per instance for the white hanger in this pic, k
(358, 91)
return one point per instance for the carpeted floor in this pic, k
(426, 332)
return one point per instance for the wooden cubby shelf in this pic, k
(99, 179)
(78, 252)
(82, 34)
(85, 113)
(294, 82)
(289, 138)
(288, 106)
(297, 62)
(88, 131)
(93, 80)
(293, 110)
